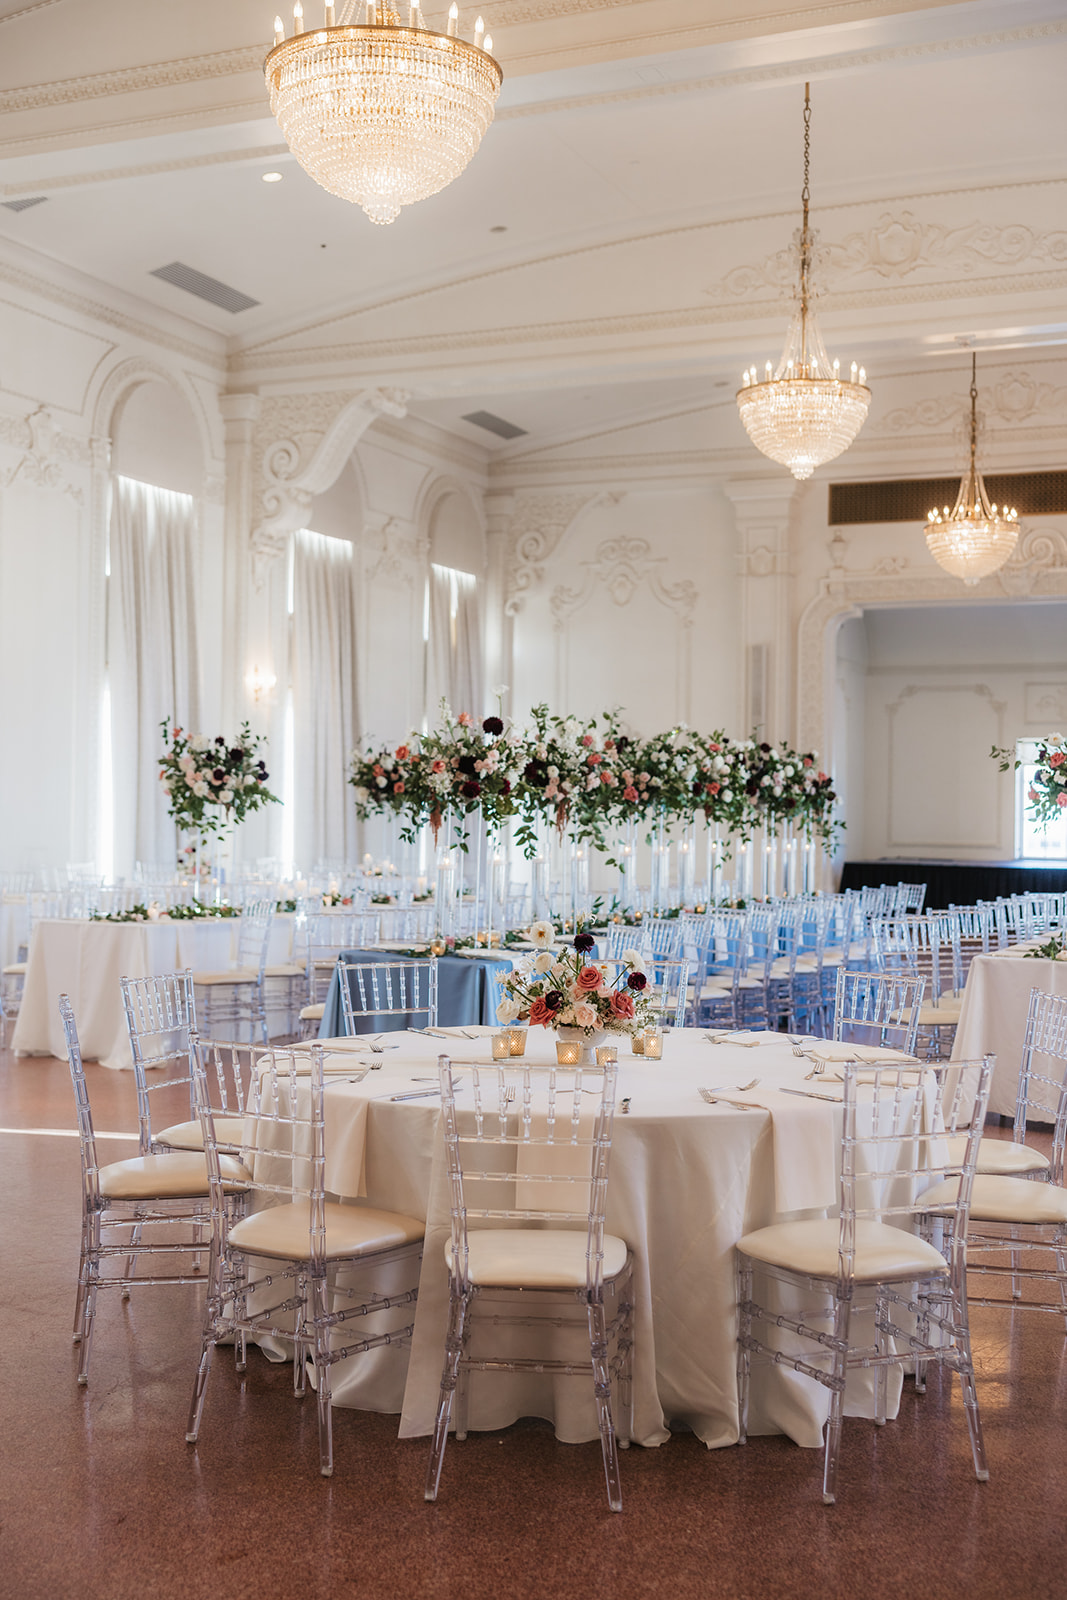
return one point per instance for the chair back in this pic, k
(665, 936)
(160, 1015)
(905, 1131)
(1043, 1073)
(669, 976)
(922, 947)
(388, 995)
(284, 1143)
(253, 935)
(86, 1137)
(528, 1146)
(878, 1009)
(327, 935)
(620, 937)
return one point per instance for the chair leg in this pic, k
(969, 1388)
(457, 1318)
(131, 1259)
(88, 1319)
(323, 1388)
(842, 1317)
(744, 1355)
(598, 1347)
(196, 1405)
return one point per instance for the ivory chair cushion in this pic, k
(15, 969)
(287, 969)
(1000, 1199)
(526, 1258)
(283, 1231)
(882, 1252)
(1000, 1156)
(945, 1014)
(190, 1135)
(235, 975)
(168, 1177)
(313, 1013)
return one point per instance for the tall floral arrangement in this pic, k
(212, 784)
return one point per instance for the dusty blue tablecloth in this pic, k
(466, 993)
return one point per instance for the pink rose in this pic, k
(622, 1004)
(1061, 799)
(594, 759)
(607, 777)
(587, 739)
(398, 788)
(539, 1013)
(464, 719)
(712, 788)
(589, 979)
(585, 1015)
(1057, 759)
(629, 793)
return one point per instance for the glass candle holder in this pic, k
(637, 1042)
(502, 1045)
(654, 1044)
(517, 1037)
(438, 947)
(606, 1055)
(568, 1052)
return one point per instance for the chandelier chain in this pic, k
(805, 193)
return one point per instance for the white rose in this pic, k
(362, 794)
(226, 797)
(250, 781)
(727, 796)
(541, 934)
(507, 1009)
(544, 962)
(200, 790)
(198, 741)
(380, 782)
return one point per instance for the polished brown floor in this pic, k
(100, 1497)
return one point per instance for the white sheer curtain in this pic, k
(455, 643)
(325, 701)
(153, 659)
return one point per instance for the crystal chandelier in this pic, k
(803, 414)
(972, 540)
(376, 113)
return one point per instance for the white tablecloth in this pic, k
(14, 925)
(687, 1180)
(86, 961)
(993, 1016)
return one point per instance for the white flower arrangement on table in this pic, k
(564, 989)
(212, 784)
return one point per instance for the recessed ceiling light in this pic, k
(271, 177)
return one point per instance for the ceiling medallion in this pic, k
(379, 114)
(972, 540)
(803, 414)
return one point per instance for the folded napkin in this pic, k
(874, 1055)
(806, 1137)
(478, 1029)
(346, 1137)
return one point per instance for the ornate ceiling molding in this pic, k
(45, 449)
(538, 524)
(128, 80)
(1015, 397)
(302, 442)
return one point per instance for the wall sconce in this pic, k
(259, 684)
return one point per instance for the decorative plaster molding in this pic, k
(128, 80)
(1038, 568)
(898, 245)
(899, 766)
(1016, 397)
(1045, 704)
(622, 567)
(399, 559)
(537, 525)
(41, 463)
(302, 443)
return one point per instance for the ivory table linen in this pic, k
(993, 1016)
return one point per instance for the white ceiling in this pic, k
(645, 169)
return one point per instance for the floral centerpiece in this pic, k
(563, 989)
(212, 784)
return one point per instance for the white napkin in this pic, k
(875, 1055)
(806, 1137)
(345, 1111)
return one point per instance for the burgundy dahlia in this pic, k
(584, 941)
(637, 980)
(492, 725)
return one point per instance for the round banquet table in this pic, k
(993, 1017)
(687, 1179)
(466, 989)
(86, 960)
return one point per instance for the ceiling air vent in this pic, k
(1033, 494)
(497, 425)
(24, 205)
(198, 283)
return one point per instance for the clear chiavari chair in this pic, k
(126, 1205)
(276, 1272)
(669, 984)
(527, 1153)
(897, 1174)
(882, 1009)
(326, 936)
(383, 996)
(236, 996)
(926, 947)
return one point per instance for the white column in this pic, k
(763, 508)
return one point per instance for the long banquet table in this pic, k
(993, 1015)
(687, 1180)
(86, 960)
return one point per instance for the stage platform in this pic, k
(960, 883)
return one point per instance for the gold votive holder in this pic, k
(637, 1042)
(494, 941)
(517, 1038)
(568, 1052)
(438, 947)
(502, 1045)
(654, 1044)
(606, 1055)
